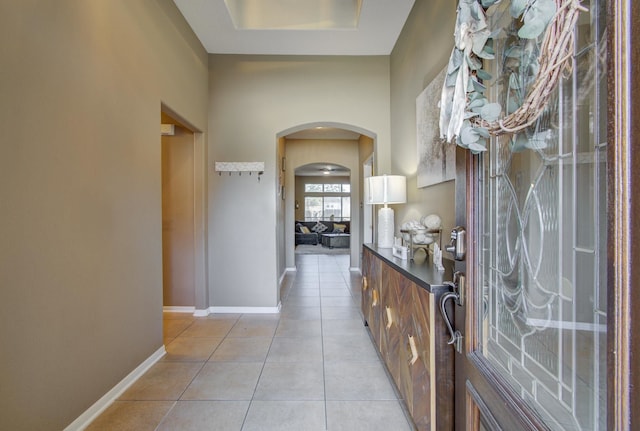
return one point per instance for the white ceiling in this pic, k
(378, 29)
(322, 170)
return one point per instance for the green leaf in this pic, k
(491, 112)
(532, 29)
(474, 63)
(450, 80)
(512, 106)
(468, 115)
(455, 60)
(478, 86)
(477, 103)
(488, 3)
(468, 135)
(480, 40)
(517, 7)
(483, 131)
(486, 55)
(482, 74)
(537, 18)
(478, 147)
(475, 95)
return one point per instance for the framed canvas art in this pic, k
(436, 157)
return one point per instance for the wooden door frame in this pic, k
(623, 187)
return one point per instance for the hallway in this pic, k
(312, 367)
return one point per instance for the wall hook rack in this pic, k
(240, 167)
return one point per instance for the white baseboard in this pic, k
(355, 269)
(245, 310)
(178, 309)
(291, 269)
(101, 405)
(201, 313)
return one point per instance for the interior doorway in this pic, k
(177, 216)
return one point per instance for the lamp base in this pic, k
(385, 227)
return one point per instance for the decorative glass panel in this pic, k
(332, 188)
(543, 239)
(313, 188)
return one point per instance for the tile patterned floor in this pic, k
(311, 367)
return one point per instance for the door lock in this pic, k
(457, 245)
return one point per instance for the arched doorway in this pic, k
(330, 143)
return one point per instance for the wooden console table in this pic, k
(400, 304)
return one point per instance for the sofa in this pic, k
(310, 232)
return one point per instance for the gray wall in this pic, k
(80, 195)
(253, 100)
(421, 52)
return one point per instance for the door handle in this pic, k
(455, 294)
(414, 350)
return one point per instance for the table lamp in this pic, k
(384, 190)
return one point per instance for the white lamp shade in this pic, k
(386, 189)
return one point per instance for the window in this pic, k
(327, 202)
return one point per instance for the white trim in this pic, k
(101, 405)
(246, 310)
(355, 269)
(201, 313)
(291, 269)
(178, 309)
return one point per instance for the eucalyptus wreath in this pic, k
(538, 50)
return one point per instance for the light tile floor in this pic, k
(311, 367)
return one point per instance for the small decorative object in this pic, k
(437, 257)
(416, 233)
(465, 113)
(431, 221)
(399, 250)
(386, 189)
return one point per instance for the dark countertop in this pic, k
(423, 274)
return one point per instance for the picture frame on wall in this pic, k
(436, 157)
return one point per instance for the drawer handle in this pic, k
(414, 350)
(374, 295)
(389, 317)
(365, 283)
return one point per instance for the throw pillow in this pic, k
(319, 227)
(339, 228)
(298, 227)
(304, 229)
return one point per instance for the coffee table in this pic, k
(336, 240)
